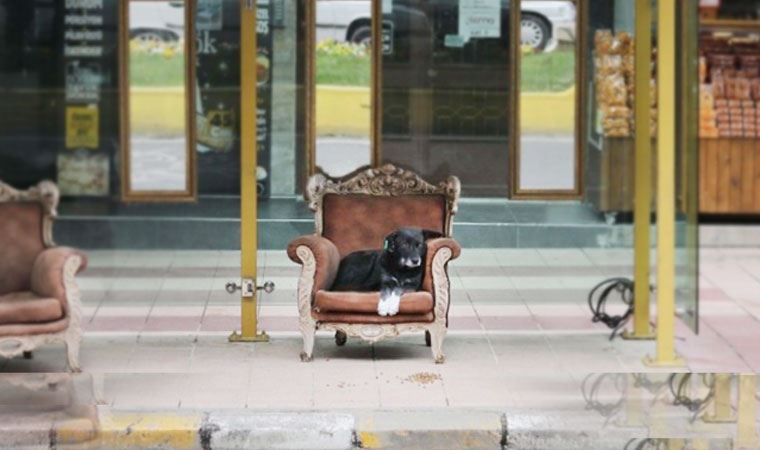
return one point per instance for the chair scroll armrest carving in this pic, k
(326, 258)
(49, 272)
(53, 276)
(439, 252)
(319, 259)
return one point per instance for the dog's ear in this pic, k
(431, 234)
(389, 244)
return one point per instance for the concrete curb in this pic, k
(425, 430)
(250, 429)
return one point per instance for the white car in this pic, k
(543, 24)
(157, 21)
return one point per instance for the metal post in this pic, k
(721, 400)
(248, 200)
(666, 143)
(746, 433)
(643, 173)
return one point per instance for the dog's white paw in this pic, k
(382, 307)
(394, 302)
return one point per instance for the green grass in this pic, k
(151, 69)
(343, 70)
(541, 72)
(547, 72)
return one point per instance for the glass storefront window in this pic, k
(446, 90)
(547, 154)
(343, 55)
(157, 123)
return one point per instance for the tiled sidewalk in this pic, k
(156, 322)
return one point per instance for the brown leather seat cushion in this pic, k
(367, 318)
(366, 302)
(26, 307)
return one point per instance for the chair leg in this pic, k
(308, 333)
(427, 338)
(437, 333)
(72, 353)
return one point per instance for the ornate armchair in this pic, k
(39, 298)
(356, 213)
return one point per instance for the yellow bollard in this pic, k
(248, 199)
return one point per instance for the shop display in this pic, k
(614, 77)
(729, 78)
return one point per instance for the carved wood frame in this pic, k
(387, 180)
(46, 194)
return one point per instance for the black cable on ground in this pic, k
(600, 294)
(591, 390)
(680, 392)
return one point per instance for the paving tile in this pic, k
(573, 257)
(208, 391)
(193, 298)
(337, 387)
(144, 390)
(417, 385)
(273, 388)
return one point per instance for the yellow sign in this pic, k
(82, 127)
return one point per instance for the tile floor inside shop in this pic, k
(156, 326)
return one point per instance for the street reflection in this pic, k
(627, 411)
(674, 410)
(47, 410)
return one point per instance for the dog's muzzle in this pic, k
(410, 263)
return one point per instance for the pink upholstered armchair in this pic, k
(39, 299)
(356, 213)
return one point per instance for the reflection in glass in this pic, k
(547, 100)
(445, 91)
(343, 56)
(158, 135)
(687, 171)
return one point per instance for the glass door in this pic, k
(547, 152)
(157, 94)
(445, 90)
(687, 166)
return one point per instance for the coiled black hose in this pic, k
(600, 294)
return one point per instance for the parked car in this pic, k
(543, 23)
(157, 21)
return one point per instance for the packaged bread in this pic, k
(719, 86)
(722, 60)
(625, 42)
(742, 89)
(755, 87)
(603, 42)
(747, 61)
(612, 91)
(607, 65)
(617, 112)
(629, 66)
(702, 69)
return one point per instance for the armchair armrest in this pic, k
(326, 256)
(49, 277)
(433, 246)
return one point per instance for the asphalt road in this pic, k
(159, 164)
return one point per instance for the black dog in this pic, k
(396, 269)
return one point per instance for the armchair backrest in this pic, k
(26, 220)
(357, 212)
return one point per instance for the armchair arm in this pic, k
(433, 246)
(49, 273)
(326, 256)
